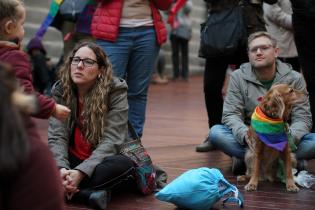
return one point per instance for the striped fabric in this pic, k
(270, 131)
(53, 10)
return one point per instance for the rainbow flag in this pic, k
(53, 10)
(270, 131)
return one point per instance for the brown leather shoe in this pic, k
(206, 146)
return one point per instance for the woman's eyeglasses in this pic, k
(87, 62)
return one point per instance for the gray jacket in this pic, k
(242, 98)
(59, 133)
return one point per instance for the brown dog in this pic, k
(262, 157)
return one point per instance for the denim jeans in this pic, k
(133, 57)
(222, 138)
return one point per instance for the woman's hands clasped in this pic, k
(70, 180)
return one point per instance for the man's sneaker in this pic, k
(206, 146)
(238, 166)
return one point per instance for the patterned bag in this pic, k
(145, 173)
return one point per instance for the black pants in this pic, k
(180, 45)
(214, 76)
(110, 173)
(304, 32)
(160, 63)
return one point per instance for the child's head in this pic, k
(12, 17)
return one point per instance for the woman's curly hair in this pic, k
(95, 104)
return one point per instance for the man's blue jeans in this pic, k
(133, 58)
(222, 138)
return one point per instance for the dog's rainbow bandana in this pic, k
(270, 131)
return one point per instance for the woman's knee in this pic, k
(116, 163)
(112, 170)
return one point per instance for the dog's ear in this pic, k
(273, 105)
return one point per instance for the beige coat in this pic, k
(278, 18)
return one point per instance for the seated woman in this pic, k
(85, 146)
(29, 176)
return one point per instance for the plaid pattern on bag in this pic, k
(144, 170)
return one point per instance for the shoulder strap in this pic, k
(132, 131)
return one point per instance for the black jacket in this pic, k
(304, 8)
(253, 13)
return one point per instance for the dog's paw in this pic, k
(292, 188)
(251, 186)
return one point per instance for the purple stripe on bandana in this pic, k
(277, 142)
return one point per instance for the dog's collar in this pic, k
(271, 131)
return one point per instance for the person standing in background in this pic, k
(181, 32)
(131, 32)
(303, 20)
(214, 75)
(278, 19)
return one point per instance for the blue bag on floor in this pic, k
(200, 189)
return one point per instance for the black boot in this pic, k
(97, 199)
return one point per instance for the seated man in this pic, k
(246, 86)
